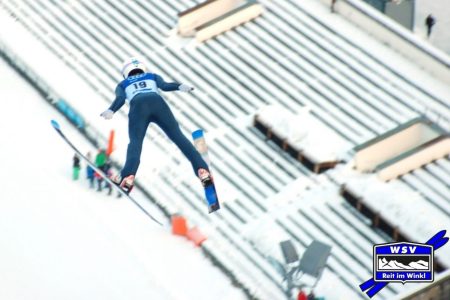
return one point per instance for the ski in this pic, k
(100, 172)
(210, 189)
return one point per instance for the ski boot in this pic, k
(210, 190)
(126, 184)
(205, 177)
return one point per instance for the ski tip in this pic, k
(197, 134)
(55, 124)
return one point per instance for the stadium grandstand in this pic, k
(322, 127)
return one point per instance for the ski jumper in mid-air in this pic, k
(141, 90)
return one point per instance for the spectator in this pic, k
(302, 295)
(429, 22)
(99, 180)
(333, 2)
(76, 167)
(108, 172)
(100, 159)
(90, 171)
(100, 162)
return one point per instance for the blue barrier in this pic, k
(70, 113)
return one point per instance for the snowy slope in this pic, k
(61, 240)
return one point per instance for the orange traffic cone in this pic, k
(179, 225)
(195, 235)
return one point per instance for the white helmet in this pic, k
(131, 64)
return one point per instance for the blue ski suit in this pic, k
(147, 106)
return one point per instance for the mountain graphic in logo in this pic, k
(391, 262)
(403, 262)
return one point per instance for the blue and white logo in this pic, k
(403, 262)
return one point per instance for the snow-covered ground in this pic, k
(61, 240)
(59, 250)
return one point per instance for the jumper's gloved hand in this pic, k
(107, 114)
(185, 88)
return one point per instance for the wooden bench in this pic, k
(214, 17)
(279, 134)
